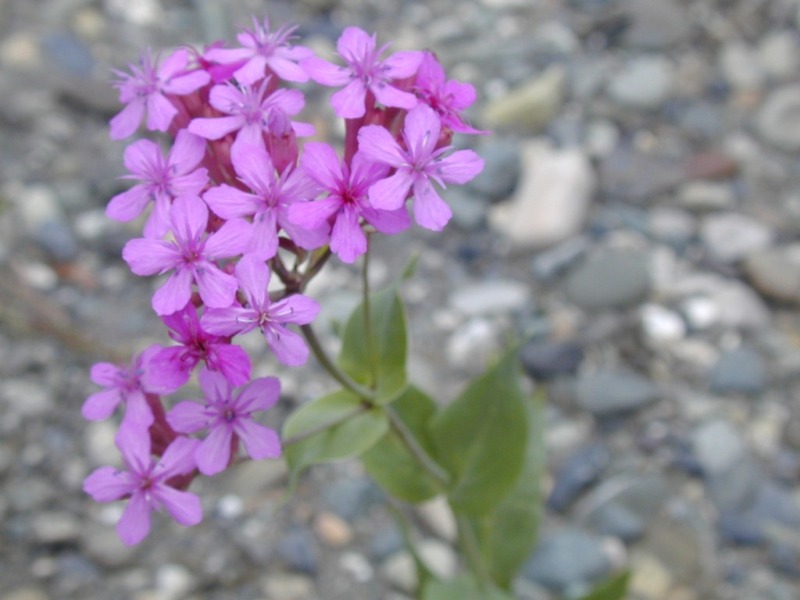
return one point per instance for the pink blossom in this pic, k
(172, 366)
(146, 483)
(228, 417)
(123, 385)
(272, 318)
(191, 256)
(346, 201)
(267, 203)
(364, 72)
(162, 180)
(264, 49)
(418, 162)
(146, 89)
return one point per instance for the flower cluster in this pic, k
(238, 193)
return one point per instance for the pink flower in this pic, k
(123, 385)
(346, 201)
(264, 49)
(146, 90)
(268, 202)
(228, 417)
(172, 366)
(447, 98)
(418, 162)
(146, 483)
(191, 257)
(161, 180)
(364, 72)
(272, 318)
(250, 112)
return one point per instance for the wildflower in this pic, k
(123, 386)
(417, 162)
(346, 202)
(264, 49)
(228, 417)
(162, 180)
(268, 201)
(447, 98)
(249, 112)
(272, 318)
(172, 366)
(364, 72)
(146, 88)
(190, 256)
(146, 484)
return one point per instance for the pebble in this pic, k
(551, 201)
(631, 175)
(778, 54)
(611, 392)
(491, 297)
(578, 473)
(174, 581)
(645, 82)
(609, 279)
(775, 272)
(566, 559)
(701, 196)
(501, 169)
(287, 586)
(554, 261)
(718, 445)
(437, 515)
(729, 237)
(28, 592)
(660, 325)
(332, 529)
(529, 107)
(656, 24)
(741, 66)
(400, 571)
(739, 371)
(544, 360)
(776, 121)
(650, 578)
(671, 225)
(298, 550)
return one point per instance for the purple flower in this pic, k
(145, 482)
(364, 72)
(146, 87)
(288, 346)
(268, 202)
(123, 385)
(191, 256)
(447, 98)
(228, 416)
(346, 200)
(172, 366)
(250, 112)
(263, 48)
(417, 163)
(161, 180)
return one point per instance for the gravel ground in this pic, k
(636, 226)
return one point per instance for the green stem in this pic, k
(324, 360)
(415, 449)
(301, 437)
(367, 313)
(472, 551)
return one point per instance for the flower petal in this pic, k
(149, 257)
(289, 347)
(229, 321)
(174, 293)
(229, 202)
(134, 525)
(187, 417)
(216, 288)
(128, 205)
(184, 507)
(187, 151)
(297, 309)
(349, 102)
(430, 211)
(262, 394)
(100, 405)
(178, 458)
(324, 72)
(214, 452)
(348, 241)
(260, 442)
(229, 240)
(391, 193)
(127, 121)
(378, 145)
(216, 127)
(107, 484)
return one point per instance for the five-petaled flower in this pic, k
(146, 484)
(228, 417)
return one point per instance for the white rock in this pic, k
(741, 67)
(778, 54)
(661, 325)
(644, 82)
(492, 297)
(472, 345)
(438, 516)
(551, 200)
(731, 236)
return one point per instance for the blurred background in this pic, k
(636, 226)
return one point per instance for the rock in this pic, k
(472, 346)
(298, 550)
(28, 592)
(580, 471)
(26, 398)
(645, 82)
(352, 497)
(491, 297)
(656, 24)
(729, 237)
(610, 279)
(567, 559)
(650, 578)
(718, 446)
(55, 527)
(671, 225)
(332, 529)
(469, 210)
(741, 67)
(777, 122)
(739, 371)
(660, 325)
(529, 107)
(544, 360)
(439, 518)
(711, 164)
(551, 200)
(501, 169)
(775, 272)
(778, 54)
(629, 175)
(606, 393)
(288, 586)
(556, 260)
(705, 196)
(174, 581)
(618, 521)
(400, 571)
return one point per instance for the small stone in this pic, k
(661, 325)
(645, 82)
(739, 371)
(556, 260)
(491, 297)
(671, 225)
(529, 107)
(472, 346)
(610, 279)
(607, 392)
(438, 516)
(400, 571)
(718, 446)
(656, 24)
(778, 54)
(357, 566)
(775, 272)
(729, 237)
(714, 165)
(501, 170)
(298, 550)
(55, 527)
(740, 66)
(618, 521)
(551, 200)
(580, 471)
(776, 121)
(626, 174)
(332, 529)
(25, 398)
(174, 581)
(650, 578)
(705, 196)
(26, 593)
(566, 559)
(288, 586)
(544, 360)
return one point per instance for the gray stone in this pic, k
(671, 225)
(610, 279)
(729, 237)
(501, 170)
(741, 67)
(739, 371)
(629, 175)
(619, 521)
(705, 196)
(656, 24)
(472, 346)
(777, 120)
(566, 559)
(554, 261)
(605, 393)
(580, 471)
(645, 82)
(718, 446)
(491, 297)
(775, 272)
(778, 54)
(544, 360)
(298, 550)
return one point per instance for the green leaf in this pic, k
(353, 431)
(463, 588)
(508, 533)
(379, 363)
(481, 438)
(389, 462)
(613, 588)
